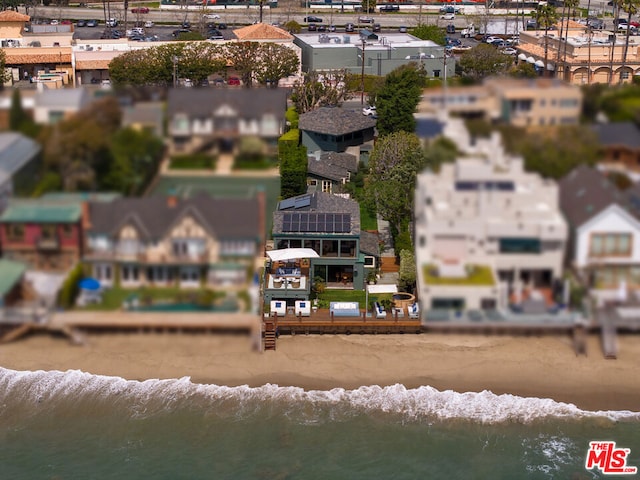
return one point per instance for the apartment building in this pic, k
(535, 102)
(488, 234)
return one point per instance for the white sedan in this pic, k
(448, 16)
(211, 16)
(509, 51)
(369, 111)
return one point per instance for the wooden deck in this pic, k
(322, 322)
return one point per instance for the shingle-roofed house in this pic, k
(165, 240)
(333, 129)
(604, 232)
(327, 172)
(329, 225)
(19, 163)
(620, 145)
(200, 119)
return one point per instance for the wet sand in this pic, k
(544, 366)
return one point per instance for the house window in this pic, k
(15, 232)
(369, 262)
(610, 245)
(326, 186)
(48, 231)
(520, 245)
(67, 230)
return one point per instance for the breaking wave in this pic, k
(27, 392)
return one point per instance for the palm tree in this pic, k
(631, 8)
(571, 5)
(546, 17)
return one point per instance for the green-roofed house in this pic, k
(11, 274)
(45, 234)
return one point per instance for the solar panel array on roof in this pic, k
(301, 202)
(287, 203)
(316, 222)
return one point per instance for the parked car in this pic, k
(54, 22)
(332, 28)
(312, 27)
(349, 28)
(178, 32)
(448, 16)
(140, 10)
(402, 29)
(81, 23)
(112, 22)
(376, 27)
(369, 111)
(186, 24)
(92, 23)
(365, 20)
(532, 24)
(389, 8)
(450, 9)
(148, 24)
(211, 16)
(595, 23)
(214, 35)
(312, 19)
(233, 81)
(322, 28)
(509, 51)
(451, 28)
(222, 26)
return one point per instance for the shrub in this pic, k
(292, 117)
(196, 161)
(69, 291)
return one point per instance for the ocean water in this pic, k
(74, 425)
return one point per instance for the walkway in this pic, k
(388, 267)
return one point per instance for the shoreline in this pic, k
(533, 366)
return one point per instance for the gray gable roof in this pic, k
(369, 243)
(618, 134)
(321, 202)
(249, 103)
(585, 192)
(153, 216)
(332, 165)
(65, 98)
(16, 151)
(335, 121)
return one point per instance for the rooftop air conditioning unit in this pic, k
(346, 39)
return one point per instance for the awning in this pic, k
(522, 56)
(551, 67)
(539, 63)
(291, 254)
(382, 288)
(531, 60)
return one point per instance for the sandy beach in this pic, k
(543, 366)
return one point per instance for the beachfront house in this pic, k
(168, 241)
(328, 225)
(620, 147)
(488, 234)
(605, 232)
(213, 120)
(43, 233)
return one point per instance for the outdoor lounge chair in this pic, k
(380, 311)
(414, 310)
(278, 307)
(303, 308)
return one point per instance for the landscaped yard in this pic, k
(196, 161)
(328, 296)
(477, 275)
(113, 298)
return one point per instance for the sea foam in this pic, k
(149, 397)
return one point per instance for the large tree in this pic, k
(395, 161)
(630, 7)
(275, 62)
(546, 17)
(397, 99)
(243, 56)
(320, 90)
(430, 32)
(5, 75)
(482, 61)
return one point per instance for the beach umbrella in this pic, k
(89, 284)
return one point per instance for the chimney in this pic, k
(85, 216)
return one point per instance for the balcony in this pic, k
(48, 243)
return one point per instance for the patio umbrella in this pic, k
(89, 284)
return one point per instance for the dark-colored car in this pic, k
(312, 19)
(186, 24)
(376, 27)
(349, 28)
(222, 26)
(81, 23)
(214, 35)
(365, 20)
(596, 23)
(532, 24)
(177, 33)
(389, 8)
(322, 28)
(92, 23)
(313, 27)
(140, 10)
(451, 28)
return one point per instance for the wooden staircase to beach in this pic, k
(269, 339)
(389, 265)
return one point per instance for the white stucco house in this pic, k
(488, 234)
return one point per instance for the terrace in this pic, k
(472, 275)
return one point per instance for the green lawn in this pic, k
(477, 275)
(113, 298)
(197, 161)
(367, 219)
(359, 296)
